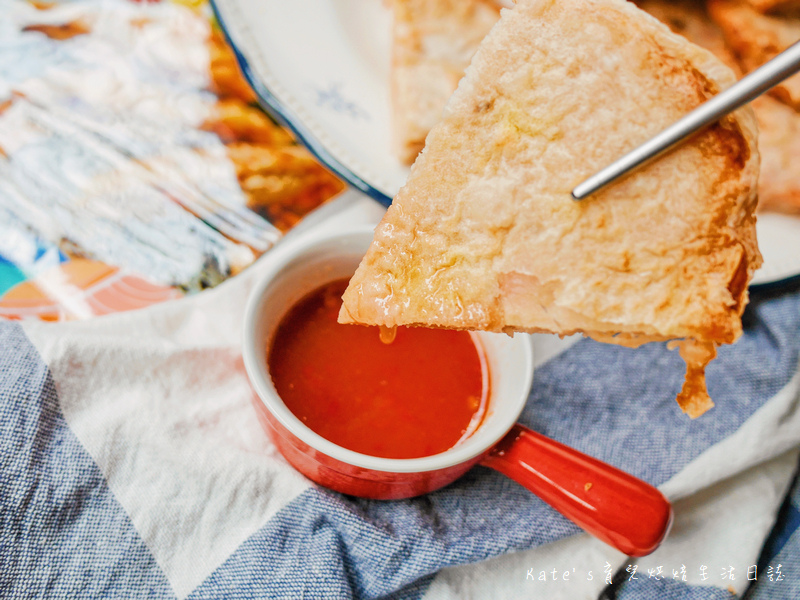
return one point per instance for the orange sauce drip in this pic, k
(387, 334)
(417, 396)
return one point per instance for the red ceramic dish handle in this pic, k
(612, 505)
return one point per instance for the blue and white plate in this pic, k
(322, 68)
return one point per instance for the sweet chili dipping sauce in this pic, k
(416, 396)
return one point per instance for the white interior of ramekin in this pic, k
(313, 261)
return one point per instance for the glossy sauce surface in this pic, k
(416, 396)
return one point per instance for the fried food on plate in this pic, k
(756, 38)
(767, 6)
(690, 19)
(281, 180)
(778, 124)
(779, 144)
(433, 43)
(485, 235)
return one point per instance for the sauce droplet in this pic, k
(387, 334)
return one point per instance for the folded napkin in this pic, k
(132, 466)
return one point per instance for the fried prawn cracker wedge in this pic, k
(432, 44)
(485, 235)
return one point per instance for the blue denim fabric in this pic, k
(62, 534)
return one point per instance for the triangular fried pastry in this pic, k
(432, 44)
(485, 235)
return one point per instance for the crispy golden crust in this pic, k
(484, 235)
(756, 38)
(778, 124)
(433, 43)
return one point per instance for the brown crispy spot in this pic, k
(738, 283)
(484, 106)
(677, 24)
(730, 142)
(704, 85)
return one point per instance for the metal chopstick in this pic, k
(771, 73)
